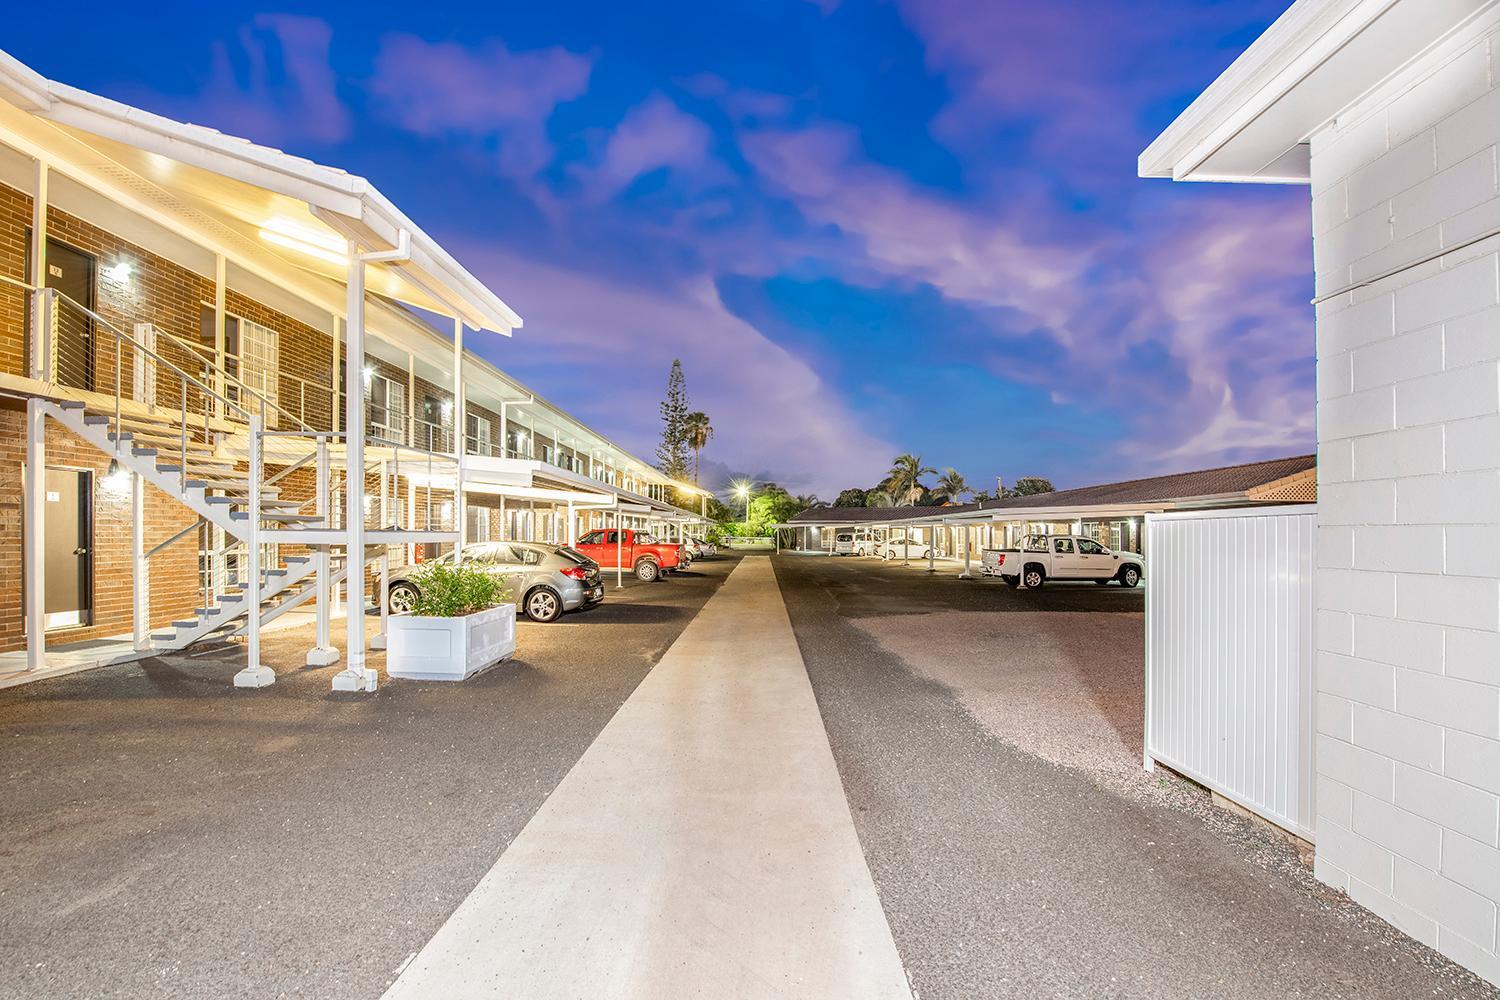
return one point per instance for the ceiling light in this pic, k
(319, 243)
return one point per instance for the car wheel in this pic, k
(1130, 576)
(543, 605)
(1034, 577)
(647, 571)
(887, 555)
(401, 598)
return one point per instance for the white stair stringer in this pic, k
(219, 493)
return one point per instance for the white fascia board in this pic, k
(22, 86)
(1298, 41)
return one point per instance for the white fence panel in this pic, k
(1229, 655)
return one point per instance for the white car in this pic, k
(900, 548)
(1065, 557)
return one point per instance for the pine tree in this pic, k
(671, 454)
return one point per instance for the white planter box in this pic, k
(449, 649)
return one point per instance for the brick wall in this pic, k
(15, 219)
(173, 571)
(1408, 669)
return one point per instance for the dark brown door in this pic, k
(69, 547)
(71, 272)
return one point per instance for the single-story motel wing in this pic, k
(1112, 513)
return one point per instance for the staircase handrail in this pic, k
(238, 383)
(123, 337)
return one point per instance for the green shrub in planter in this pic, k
(449, 591)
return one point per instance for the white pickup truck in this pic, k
(1063, 557)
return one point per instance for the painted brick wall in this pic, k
(1408, 752)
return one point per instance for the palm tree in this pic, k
(905, 478)
(698, 431)
(878, 498)
(808, 501)
(951, 485)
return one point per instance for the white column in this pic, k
(140, 574)
(619, 551)
(383, 588)
(968, 573)
(354, 676)
(34, 546)
(255, 674)
(460, 435)
(221, 329)
(323, 654)
(40, 322)
(572, 535)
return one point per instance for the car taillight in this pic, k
(1001, 560)
(575, 572)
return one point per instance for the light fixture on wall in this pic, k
(119, 272)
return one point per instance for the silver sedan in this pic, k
(545, 580)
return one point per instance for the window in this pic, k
(477, 429)
(527, 556)
(1089, 547)
(387, 408)
(592, 538)
(1063, 546)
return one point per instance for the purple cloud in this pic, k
(491, 93)
(274, 86)
(654, 134)
(771, 410)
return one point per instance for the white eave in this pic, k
(321, 188)
(1254, 122)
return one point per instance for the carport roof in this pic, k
(1228, 484)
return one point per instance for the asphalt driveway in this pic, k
(165, 835)
(1013, 853)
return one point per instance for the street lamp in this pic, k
(742, 490)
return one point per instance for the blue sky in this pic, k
(865, 228)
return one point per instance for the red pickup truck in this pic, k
(637, 551)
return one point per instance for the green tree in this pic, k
(671, 454)
(850, 498)
(697, 432)
(904, 481)
(951, 485)
(878, 498)
(1030, 486)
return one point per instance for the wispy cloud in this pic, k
(490, 93)
(275, 85)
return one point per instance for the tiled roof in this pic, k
(1228, 481)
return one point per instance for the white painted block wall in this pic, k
(1408, 663)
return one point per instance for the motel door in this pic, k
(69, 552)
(71, 272)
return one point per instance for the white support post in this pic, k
(572, 535)
(619, 551)
(354, 676)
(221, 330)
(34, 548)
(41, 320)
(255, 674)
(968, 573)
(383, 589)
(140, 573)
(323, 654)
(460, 437)
(411, 400)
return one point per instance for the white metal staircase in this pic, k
(217, 489)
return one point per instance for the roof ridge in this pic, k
(1189, 472)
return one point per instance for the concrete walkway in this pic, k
(702, 846)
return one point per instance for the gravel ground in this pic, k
(1006, 873)
(168, 836)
